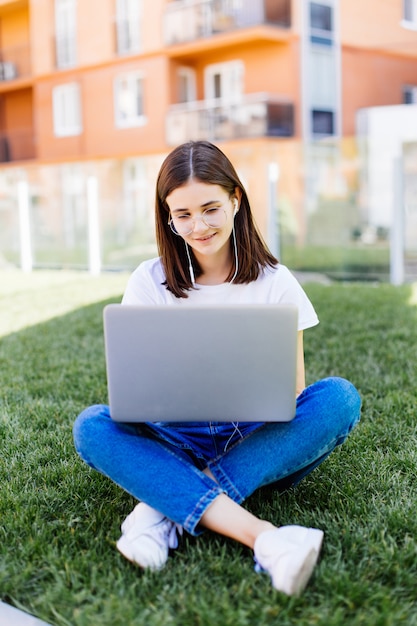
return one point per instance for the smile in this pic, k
(205, 238)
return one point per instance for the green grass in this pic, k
(60, 521)
(346, 262)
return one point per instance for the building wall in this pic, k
(42, 36)
(378, 56)
(14, 27)
(99, 110)
(100, 136)
(95, 31)
(377, 59)
(376, 24)
(371, 34)
(18, 110)
(380, 79)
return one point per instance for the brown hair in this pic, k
(204, 162)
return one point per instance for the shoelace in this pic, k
(173, 536)
(167, 532)
(257, 566)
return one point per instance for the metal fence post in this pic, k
(26, 258)
(273, 217)
(397, 225)
(94, 256)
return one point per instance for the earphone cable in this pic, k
(236, 256)
(190, 265)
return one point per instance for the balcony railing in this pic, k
(17, 145)
(255, 115)
(188, 20)
(14, 62)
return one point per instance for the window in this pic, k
(186, 84)
(225, 81)
(65, 33)
(322, 70)
(66, 103)
(321, 24)
(322, 122)
(410, 12)
(410, 94)
(128, 21)
(128, 95)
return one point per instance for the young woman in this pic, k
(196, 476)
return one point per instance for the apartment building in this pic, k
(102, 89)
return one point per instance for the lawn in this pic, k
(60, 521)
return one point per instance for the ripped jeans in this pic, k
(161, 463)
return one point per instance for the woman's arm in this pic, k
(301, 381)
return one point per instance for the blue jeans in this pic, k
(161, 463)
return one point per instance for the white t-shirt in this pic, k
(274, 286)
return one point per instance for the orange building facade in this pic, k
(108, 87)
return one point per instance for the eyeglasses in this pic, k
(184, 224)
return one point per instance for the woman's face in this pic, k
(187, 205)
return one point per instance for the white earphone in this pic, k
(235, 204)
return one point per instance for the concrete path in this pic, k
(9, 616)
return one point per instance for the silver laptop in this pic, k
(222, 363)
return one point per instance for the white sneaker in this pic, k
(147, 535)
(288, 554)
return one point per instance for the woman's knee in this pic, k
(343, 399)
(336, 400)
(88, 424)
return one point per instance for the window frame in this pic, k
(321, 36)
(65, 33)
(67, 97)
(139, 119)
(327, 110)
(409, 22)
(412, 90)
(230, 76)
(128, 14)
(188, 75)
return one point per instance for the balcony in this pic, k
(14, 63)
(189, 20)
(17, 145)
(254, 115)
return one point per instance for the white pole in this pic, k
(273, 217)
(94, 257)
(397, 226)
(26, 261)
